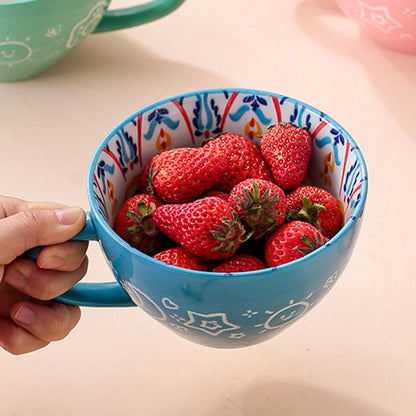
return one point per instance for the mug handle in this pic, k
(136, 15)
(107, 294)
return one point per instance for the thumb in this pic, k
(37, 227)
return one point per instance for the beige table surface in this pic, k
(355, 354)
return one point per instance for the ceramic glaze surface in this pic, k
(215, 309)
(37, 34)
(391, 22)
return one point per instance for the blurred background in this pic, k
(354, 353)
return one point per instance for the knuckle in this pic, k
(41, 284)
(44, 295)
(75, 263)
(29, 220)
(22, 231)
(28, 217)
(78, 258)
(71, 255)
(45, 291)
(38, 284)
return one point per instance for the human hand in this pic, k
(29, 319)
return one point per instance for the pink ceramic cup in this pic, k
(391, 22)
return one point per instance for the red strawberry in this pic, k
(244, 160)
(240, 263)
(182, 174)
(218, 194)
(292, 241)
(261, 205)
(177, 256)
(145, 179)
(316, 206)
(134, 223)
(222, 195)
(287, 149)
(207, 227)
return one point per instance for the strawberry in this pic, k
(182, 174)
(287, 149)
(316, 206)
(223, 195)
(261, 205)
(240, 263)
(145, 179)
(134, 223)
(206, 227)
(292, 241)
(177, 256)
(218, 194)
(244, 160)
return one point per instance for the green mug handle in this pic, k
(136, 15)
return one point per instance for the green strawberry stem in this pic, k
(308, 213)
(310, 243)
(150, 178)
(258, 211)
(144, 225)
(230, 235)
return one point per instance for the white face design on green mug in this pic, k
(13, 52)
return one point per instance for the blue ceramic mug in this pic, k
(217, 309)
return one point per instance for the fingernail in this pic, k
(53, 262)
(25, 315)
(16, 279)
(67, 216)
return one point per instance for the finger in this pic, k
(51, 322)
(8, 297)
(63, 257)
(10, 205)
(16, 340)
(36, 227)
(42, 284)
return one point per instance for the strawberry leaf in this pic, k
(132, 229)
(134, 216)
(142, 208)
(230, 234)
(256, 191)
(312, 244)
(218, 236)
(308, 213)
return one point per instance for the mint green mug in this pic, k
(36, 34)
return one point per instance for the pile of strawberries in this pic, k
(230, 205)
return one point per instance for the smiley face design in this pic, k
(12, 52)
(285, 316)
(87, 24)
